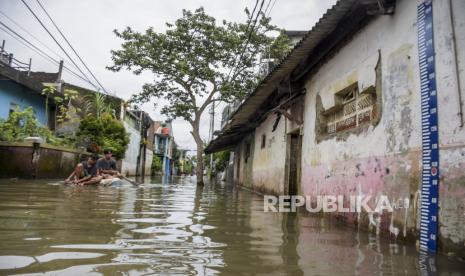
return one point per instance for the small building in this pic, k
(351, 111)
(18, 90)
(164, 145)
(139, 154)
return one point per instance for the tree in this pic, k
(196, 62)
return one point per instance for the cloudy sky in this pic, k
(88, 25)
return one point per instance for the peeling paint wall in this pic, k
(385, 158)
(382, 158)
(451, 135)
(269, 162)
(243, 168)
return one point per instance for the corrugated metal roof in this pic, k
(324, 27)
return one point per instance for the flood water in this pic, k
(171, 227)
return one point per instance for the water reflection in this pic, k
(171, 226)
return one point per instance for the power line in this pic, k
(272, 6)
(69, 44)
(33, 36)
(235, 68)
(245, 33)
(250, 35)
(37, 50)
(59, 45)
(267, 6)
(251, 17)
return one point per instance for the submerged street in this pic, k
(173, 227)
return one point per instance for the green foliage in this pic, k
(97, 134)
(188, 165)
(221, 160)
(197, 57)
(48, 91)
(62, 101)
(97, 104)
(156, 164)
(22, 124)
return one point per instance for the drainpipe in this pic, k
(454, 46)
(35, 159)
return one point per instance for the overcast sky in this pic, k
(88, 25)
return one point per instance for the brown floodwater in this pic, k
(171, 227)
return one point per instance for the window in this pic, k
(14, 107)
(352, 110)
(263, 141)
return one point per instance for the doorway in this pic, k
(293, 164)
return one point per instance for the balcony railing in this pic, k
(8, 59)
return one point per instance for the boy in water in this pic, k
(85, 172)
(106, 166)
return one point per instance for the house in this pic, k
(139, 155)
(369, 102)
(164, 145)
(19, 90)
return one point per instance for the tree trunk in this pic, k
(198, 140)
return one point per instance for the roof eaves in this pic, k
(21, 78)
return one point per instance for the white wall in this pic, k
(269, 162)
(129, 163)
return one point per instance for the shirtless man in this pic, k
(85, 172)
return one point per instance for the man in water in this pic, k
(106, 166)
(85, 172)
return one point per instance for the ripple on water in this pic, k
(178, 228)
(11, 262)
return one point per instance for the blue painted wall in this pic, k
(14, 93)
(167, 166)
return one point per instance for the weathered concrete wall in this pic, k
(242, 167)
(451, 134)
(384, 158)
(129, 163)
(23, 161)
(148, 162)
(269, 162)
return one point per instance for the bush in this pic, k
(221, 160)
(105, 132)
(22, 124)
(156, 164)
